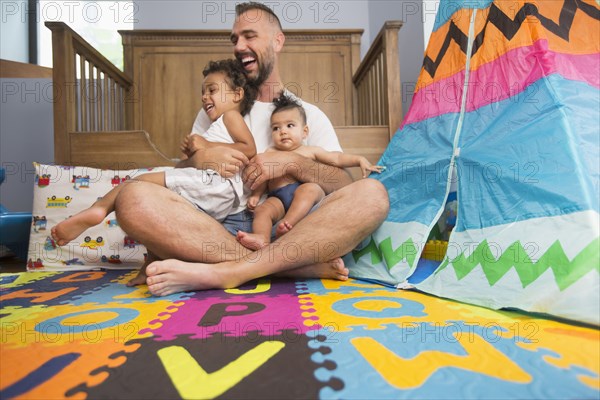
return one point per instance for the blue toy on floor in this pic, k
(14, 228)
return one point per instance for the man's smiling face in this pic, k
(253, 38)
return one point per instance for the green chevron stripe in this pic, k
(372, 249)
(565, 272)
(406, 251)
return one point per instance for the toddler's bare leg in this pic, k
(74, 226)
(264, 216)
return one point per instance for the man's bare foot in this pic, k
(140, 278)
(74, 226)
(173, 276)
(282, 228)
(334, 269)
(252, 241)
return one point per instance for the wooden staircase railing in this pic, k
(90, 93)
(377, 81)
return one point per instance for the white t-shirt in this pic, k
(320, 129)
(216, 132)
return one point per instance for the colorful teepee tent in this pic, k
(507, 106)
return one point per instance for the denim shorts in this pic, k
(241, 221)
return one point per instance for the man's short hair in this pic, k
(285, 102)
(252, 5)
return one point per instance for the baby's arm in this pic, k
(344, 160)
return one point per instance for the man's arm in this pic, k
(276, 164)
(225, 160)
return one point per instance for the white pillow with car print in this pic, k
(61, 192)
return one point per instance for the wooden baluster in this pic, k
(381, 90)
(375, 94)
(109, 95)
(365, 101)
(366, 98)
(76, 81)
(114, 105)
(98, 99)
(361, 104)
(372, 97)
(91, 96)
(106, 96)
(83, 95)
(376, 90)
(120, 103)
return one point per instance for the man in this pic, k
(200, 253)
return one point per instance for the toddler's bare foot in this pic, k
(74, 226)
(140, 278)
(251, 241)
(282, 228)
(334, 269)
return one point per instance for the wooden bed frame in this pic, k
(108, 118)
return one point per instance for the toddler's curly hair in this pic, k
(236, 78)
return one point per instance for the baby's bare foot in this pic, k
(251, 241)
(140, 278)
(74, 226)
(282, 228)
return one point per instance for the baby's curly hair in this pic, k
(285, 102)
(236, 78)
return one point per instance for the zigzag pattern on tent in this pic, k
(568, 53)
(566, 272)
(509, 27)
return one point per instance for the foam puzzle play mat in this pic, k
(86, 334)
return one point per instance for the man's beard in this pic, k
(264, 69)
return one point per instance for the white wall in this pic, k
(26, 135)
(430, 8)
(302, 14)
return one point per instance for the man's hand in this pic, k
(273, 164)
(224, 160)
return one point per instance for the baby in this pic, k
(289, 201)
